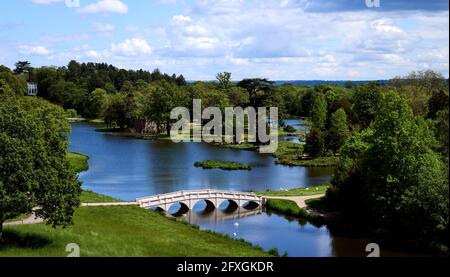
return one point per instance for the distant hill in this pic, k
(323, 82)
(312, 82)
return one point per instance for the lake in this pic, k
(128, 168)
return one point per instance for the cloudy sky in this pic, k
(277, 39)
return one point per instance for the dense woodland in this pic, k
(391, 138)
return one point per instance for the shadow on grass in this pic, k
(13, 239)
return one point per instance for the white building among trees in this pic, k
(32, 89)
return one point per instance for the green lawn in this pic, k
(92, 197)
(282, 133)
(222, 165)
(318, 189)
(285, 207)
(79, 162)
(290, 208)
(97, 121)
(289, 153)
(119, 232)
(314, 162)
(319, 205)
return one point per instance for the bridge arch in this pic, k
(184, 208)
(231, 206)
(210, 205)
(250, 205)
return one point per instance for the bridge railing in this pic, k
(187, 193)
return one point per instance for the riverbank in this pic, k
(290, 208)
(78, 162)
(124, 231)
(313, 190)
(294, 202)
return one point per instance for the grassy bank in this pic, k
(224, 165)
(291, 154)
(121, 231)
(307, 162)
(290, 208)
(318, 205)
(19, 218)
(318, 189)
(92, 197)
(79, 162)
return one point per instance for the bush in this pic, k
(289, 129)
(274, 252)
(71, 113)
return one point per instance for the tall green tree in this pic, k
(224, 80)
(259, 91)
(96, 103)
(390, 177)
(366, 99)
(34, 171)
(439, 101)
(338, 131)
(67, 94)
(160, 103)
(315, 143)
(319, 111)
(441, 131)
(123, 110)
(22, 67)
(418, 87)
(12, 84)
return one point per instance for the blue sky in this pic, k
(277, 39)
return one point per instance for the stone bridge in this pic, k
(190, 198)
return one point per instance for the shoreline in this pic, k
(287, 153)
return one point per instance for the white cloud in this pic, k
(103, 27)
(181, 19)
(105, 6)
(131, 47)
(278, 40)
(45, 2)
(34, 50)
(92, 54)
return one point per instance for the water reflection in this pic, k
(128, 168)
(297, 238)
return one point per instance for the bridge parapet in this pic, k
(191, 197)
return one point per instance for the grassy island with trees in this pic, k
(224, 165)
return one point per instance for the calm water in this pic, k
(128, 168)
(298, 125)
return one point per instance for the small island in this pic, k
(224, 165)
